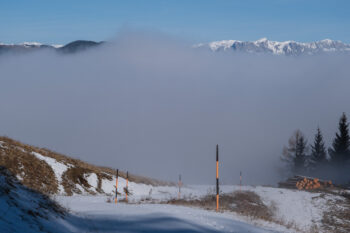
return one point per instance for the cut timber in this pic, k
(306, 183)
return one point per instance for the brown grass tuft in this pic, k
(74, 176)
(246, 203)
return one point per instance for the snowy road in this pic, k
(94, 214)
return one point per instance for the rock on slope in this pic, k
(52, 173)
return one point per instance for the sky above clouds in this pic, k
(59, 22)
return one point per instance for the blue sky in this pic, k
(58, 22)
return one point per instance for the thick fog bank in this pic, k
(158, 107)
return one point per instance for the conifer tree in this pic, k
(296, 152)
(340, 151)
(318, 150)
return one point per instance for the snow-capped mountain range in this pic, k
(262, 46)
(291, 48)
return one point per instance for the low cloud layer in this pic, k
(157, 107)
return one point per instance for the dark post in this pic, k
(180, 184)
(116, 187)
(127, 184)
(217, 177)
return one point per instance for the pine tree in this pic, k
(318, 150)
(300, 155)
(340, 151)
(296, 152)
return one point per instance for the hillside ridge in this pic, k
(49, 172)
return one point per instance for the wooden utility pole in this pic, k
(217, 177)
(116, 188)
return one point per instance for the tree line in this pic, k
(315, 159)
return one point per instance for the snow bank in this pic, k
(57, 167)
(92, 180)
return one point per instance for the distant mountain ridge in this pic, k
(262, 46)
(289, 48)
(72, 47)
(78, 45)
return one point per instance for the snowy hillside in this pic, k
(108, 217)
(52, 173)
(23, 210)
(278, 48)
(88, 192)
(293, 211)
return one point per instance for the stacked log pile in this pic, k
(305, 183)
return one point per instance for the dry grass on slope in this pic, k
(35, 174)
(38, 175)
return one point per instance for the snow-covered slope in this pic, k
(23, 210)
(294, 210)
(278, 48)
(52, 173)
(99, 216)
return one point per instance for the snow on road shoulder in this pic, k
(100, 215)
(292, 206)
(57, 167)
(301, 211)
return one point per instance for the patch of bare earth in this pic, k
(337, 218)
(245, 203)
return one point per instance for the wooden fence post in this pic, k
(116, 188)
(180, 184)
(127, 184)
